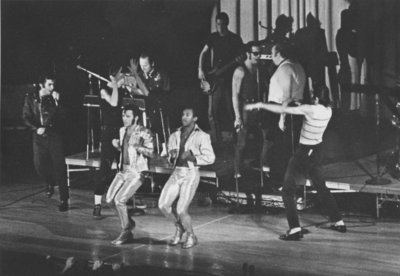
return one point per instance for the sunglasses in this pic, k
(256, 53)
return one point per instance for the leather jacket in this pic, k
(40, 111)
(141, 138)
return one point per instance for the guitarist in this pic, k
(224, 47)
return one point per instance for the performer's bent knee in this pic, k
(164, 208)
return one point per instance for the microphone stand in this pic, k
(378, 179)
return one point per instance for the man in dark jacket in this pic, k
(42, 113)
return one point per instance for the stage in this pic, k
(31, 223)
(370, 247)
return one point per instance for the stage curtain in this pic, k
(378, 28)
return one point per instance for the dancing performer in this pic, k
(189, 147)
(110, 106)
(225, 47)
(43, 114)
(306, 160)
(136, 146)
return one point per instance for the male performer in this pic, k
(286, 86)
(225, 47)
(248, 88)
(136, 146)
(154, 84)
(42, 113)
(110, 106)
(189, 147)
(306, 161)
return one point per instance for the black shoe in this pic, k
(97, 211)
(64, 206)
(291, 237)
(339, 228)
(49, 191)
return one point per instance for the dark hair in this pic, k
(223, 16)
(46, 76)
(135, 110)
(285, 48)
(193, 108)
(250, 45)
(147, 55)
(322, 93)
(283, 22)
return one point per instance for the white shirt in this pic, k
(314, 126)
(276, 93)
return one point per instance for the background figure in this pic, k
(351, 60)
(312, 51)
(43, 114)
(110, 105)
(286, 87)
(282, 33)
(246, 88)
(154, 84)
(189, 147)
(225, 47)
(136, 146)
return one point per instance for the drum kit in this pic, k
(128, 82)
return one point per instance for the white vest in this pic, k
(276, 93)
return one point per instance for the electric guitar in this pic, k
(213, 77)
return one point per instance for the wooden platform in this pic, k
(348, 176)
(156, 165)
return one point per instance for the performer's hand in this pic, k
(133, 66)
(282, 123)
(115, 143)
(40, 130)
(187, 155)
(113, 83)
(201, 75)
(56, 96)
(238, 124)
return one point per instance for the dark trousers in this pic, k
(49, 161)
(222, 93)
(107, 156)
(306, 161)
(252, 123)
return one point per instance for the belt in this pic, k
(253, 100)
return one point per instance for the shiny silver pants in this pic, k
(123, 187)
(177, 195)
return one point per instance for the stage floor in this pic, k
(32, 224)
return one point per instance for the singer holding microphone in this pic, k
(43, 114)
(189, 147)
(247, 88)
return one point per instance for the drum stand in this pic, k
(90, 101)
(378, 179)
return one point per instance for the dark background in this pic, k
(57, 35)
